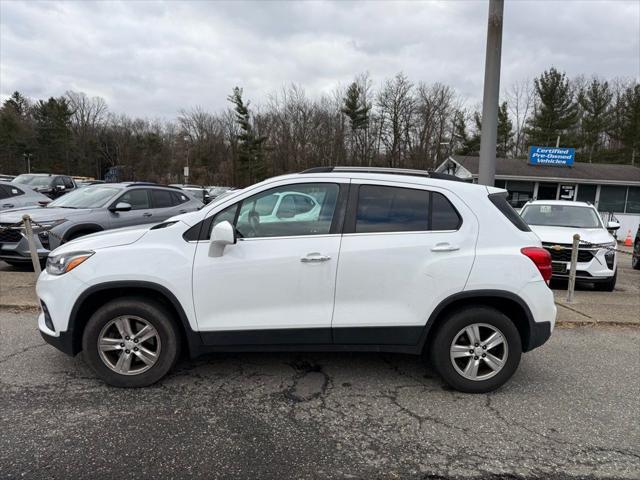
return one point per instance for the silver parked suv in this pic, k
(89, 210)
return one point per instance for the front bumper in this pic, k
(19, 251)
(597, 269)
(63, 342)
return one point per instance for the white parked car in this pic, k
(557, 221)
(389, 261)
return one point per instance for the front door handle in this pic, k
(147, 214)
(315, 258)
(444, 247)
(182, 211)
(7, 205)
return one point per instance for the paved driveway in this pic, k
(571, 411)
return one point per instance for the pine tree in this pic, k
(505, 143)
(595, 101)
(556, 110)
(251, 149)
(53, 133)
(631, 122)
(354, 108)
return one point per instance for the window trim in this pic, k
(337, 223)
(352, 211)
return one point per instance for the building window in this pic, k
(547, 191)
(612, 199)
(587, 193)
(633, 200)
(519, 193)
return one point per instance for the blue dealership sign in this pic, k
(555, 156)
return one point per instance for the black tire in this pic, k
(152, 312)
(635, 258)
(449, 329)
(609, 285)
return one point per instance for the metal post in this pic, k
(26, 219)
(490, 98)
(572, 270)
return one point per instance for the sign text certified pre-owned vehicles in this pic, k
(556, 222)
(364, 261)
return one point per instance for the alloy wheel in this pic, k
(479, 351)
(129, 345)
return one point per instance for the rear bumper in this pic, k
(539, 333)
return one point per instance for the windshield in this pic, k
(561, 216)
(33, 180)
(88, 197)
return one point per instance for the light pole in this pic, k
(186, 169)
(27, 159)
(489, 136)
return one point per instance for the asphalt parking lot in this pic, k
(571, 411)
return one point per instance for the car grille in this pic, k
(564, 255)
(9, 236)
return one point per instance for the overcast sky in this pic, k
(152, 59)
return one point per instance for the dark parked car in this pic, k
(635, 258)
(49, 184)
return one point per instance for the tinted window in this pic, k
(179, 198)
(58, 182)
(67, 182)
(444, 216)
(391, 209)
(259, 218)
(612, 199)
(161, 199)
(501, 203)
(587, 193)
(633, 200)
(138, 199)
(10, 191)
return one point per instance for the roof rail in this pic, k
(385, 170)
(137, 184)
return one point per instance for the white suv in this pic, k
(391, 261)
(557, 221)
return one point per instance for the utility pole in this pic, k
(489, 135)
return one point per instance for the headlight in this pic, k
(48, 225)
(65, 262)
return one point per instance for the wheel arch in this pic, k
(506, 302)
(97, 295)
(85, 228)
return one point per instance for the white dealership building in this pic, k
(614, 189)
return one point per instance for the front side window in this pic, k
(275, 212)
(68, 183)
(179, 198)
(138, 199)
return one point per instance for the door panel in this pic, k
(140, 213)
(388, 283)
(276, 285)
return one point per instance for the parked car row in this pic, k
(89, 210)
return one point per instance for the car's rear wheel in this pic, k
(476, 350)
(131, 342)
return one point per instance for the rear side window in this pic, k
(7, 191)
(179, 198)
(161, 199)
(500, 201)
(68, 183)
(396, 209)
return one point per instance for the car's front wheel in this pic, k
(131, 342)
(476, 349)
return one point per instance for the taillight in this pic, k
(541, 258)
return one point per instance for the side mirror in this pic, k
(121, 207)
(60, 187)
(223, 234)
(613, 226)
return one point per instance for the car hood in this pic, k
(109, 238)
(565, 234)
(42, 214)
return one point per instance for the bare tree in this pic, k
(520, 99)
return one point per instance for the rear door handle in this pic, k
(444, 247)
(182, 211)
(147, 214)
(7, 205)
(315, 258)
